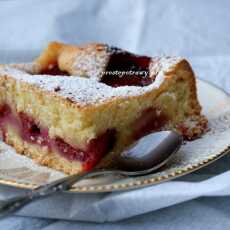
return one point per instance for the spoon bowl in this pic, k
(150, 152)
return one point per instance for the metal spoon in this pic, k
(143, 157)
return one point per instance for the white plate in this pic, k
(21, 172)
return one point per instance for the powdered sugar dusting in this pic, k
(89, 90)
(91, 61)
(161, 65)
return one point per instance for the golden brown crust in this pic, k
(69, 58)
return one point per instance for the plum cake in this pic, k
(74, 105)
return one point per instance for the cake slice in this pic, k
(73, 106)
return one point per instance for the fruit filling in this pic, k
(94, 152)
(126, 69)
(151, 119)
(32, 132)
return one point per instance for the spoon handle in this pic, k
(13, 204)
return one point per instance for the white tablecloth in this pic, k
(198, 30)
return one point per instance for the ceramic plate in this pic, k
(21, 172)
